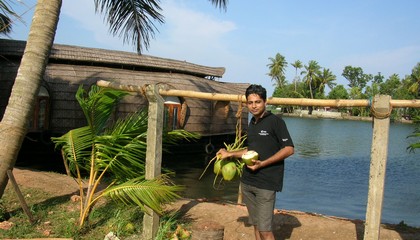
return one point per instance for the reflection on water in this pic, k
(329, 172)
(329, 138)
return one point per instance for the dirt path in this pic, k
(288, 224)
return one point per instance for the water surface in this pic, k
(329, 172)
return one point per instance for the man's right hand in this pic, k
(222, 153)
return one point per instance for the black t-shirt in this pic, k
(267, 137)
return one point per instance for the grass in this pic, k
(57, 217)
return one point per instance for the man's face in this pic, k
(256, 105)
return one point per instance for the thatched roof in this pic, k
(103, 57)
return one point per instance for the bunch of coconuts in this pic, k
(232, 167)
(228, 169)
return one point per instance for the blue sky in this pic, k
(376, 35)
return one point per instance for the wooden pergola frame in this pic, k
(381, 107)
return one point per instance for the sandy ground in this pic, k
(233, 218)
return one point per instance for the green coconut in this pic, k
(218, 166)
(229, 171)
(249, 156)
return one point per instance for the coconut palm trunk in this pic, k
(14, 124)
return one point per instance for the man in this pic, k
(269, 137)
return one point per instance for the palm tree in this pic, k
(297, 65)
(277, 68)
(13, 126)
(116, 150)
(326, 78)
(133, 17)
(312, 71)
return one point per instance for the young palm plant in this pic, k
(112, 155)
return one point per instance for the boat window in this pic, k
(40, 119)
(221, 109)
(172, 114)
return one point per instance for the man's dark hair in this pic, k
(256, 89)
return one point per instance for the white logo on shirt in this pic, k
(263, 133)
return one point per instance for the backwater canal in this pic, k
(329, 172)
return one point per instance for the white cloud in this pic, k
(192, 36)
(186, 34)
(188, 24)
(83, 13)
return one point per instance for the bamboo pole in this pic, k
(274, 101)
(319, 102)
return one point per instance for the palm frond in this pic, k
(173, 137)
(124, 160)
(415, 134)
(134, 124)
(132, 20)
(222, 4)
(150, 193)
(5, 20)
(123, 146)
(76, 145)
(416, 145)
(98, 105)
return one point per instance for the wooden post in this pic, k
(381, 108)
(153, 154)
(20, 196)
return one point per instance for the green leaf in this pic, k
(150, 193)
(76, 146)
(98, 105)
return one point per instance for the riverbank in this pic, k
(334, 115)
(230, 216)
(293, 225)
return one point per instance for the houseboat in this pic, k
(57, 110)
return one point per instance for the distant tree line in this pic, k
(311, 79)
